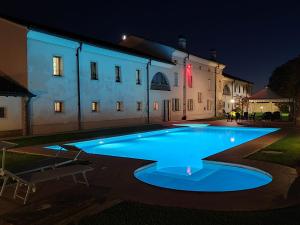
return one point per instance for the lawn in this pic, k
(128, 213)
(287, 149)
(40, 140)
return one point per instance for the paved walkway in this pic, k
(113, 179)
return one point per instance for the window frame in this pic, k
(118, 75)
(138, 78)
(61, 106)
(60, 66)
(119, 106)
(139, 106)
(96, 70)
(97, 109)
(4, 112)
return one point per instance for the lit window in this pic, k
(176, 81)
(57, 66)
(155, 106)
(175, 104)
(138, 77)
(139, 106)
(118, 74)
(2, 112)
(119, 106)
(94, 71)
(58, 106)
(95, 107)
(190, 105)
(199, 97)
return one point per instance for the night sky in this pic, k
(251, 37)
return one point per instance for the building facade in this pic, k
(232, 93)
(82, 83)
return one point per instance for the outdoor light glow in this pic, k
(232, 101)
(139, 136)
(261, 107)
(189, 171)
(124, 37)
(101, 142)
(232, 139)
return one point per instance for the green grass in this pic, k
(140, 214)
(40, 140)
(289, 146)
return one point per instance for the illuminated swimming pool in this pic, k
(179, 154)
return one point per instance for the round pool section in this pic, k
(209, 177)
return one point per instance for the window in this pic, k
(160, 82)
(176, 81)
(58, 106)
(155, 106)
(239, 88)
(139, 106)
(226, 90)
(57, 66)
(119, 106)
(118, 74)
(190, 105)
(95, 107)
(175, 104)
(138, 77)
(208, 104)
(94, 71)
(209, 84)
(199, 97)
(2, 112)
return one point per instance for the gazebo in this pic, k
(266, 100)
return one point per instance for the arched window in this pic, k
(160, 82)
(226, 90)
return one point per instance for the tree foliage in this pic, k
(285, 79)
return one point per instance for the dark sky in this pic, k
(251, 37)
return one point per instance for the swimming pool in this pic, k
(179, 154)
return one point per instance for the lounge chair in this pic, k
(31, 179)
(30, 176)
(40, 165)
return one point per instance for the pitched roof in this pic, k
(9, 87)
(82, 38)
(187, 51)
(265, 93)
(236, 78)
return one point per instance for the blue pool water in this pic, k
(179, 155)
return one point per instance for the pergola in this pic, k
(265, 101)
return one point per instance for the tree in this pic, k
(285, 81)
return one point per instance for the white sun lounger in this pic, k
(30, 180)
(36, 174)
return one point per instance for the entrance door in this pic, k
(167, 110)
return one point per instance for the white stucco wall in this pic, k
(13, 113)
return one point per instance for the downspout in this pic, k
(78, 86)
(184, 86)
(27, 116)
(216, 90)
(148, 91)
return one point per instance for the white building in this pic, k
(232, 93)
(77, 82)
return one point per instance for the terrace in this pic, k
(113, 185)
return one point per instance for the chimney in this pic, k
(182, 42)
(213, 54)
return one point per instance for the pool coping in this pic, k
(273, 195)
